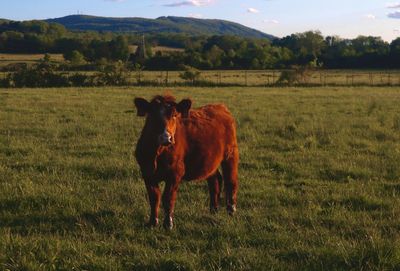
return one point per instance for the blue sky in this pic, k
(346, 18)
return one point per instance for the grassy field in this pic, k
(6, 59)
(270, 77)
(319, 183)
(233, 77)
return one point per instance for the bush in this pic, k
(298, 75)
(13, 67)
(40, 75)
(114, 74)
(81, 80)
(76, 58)
(190, 74)
(5, 82)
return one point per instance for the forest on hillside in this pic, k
(310, 48)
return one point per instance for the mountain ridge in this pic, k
(163, 24)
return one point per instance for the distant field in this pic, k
(27, 58)
(159, 49)
(237, 77)
(319, 183)
(270, 77)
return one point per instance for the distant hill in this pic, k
(170, 24)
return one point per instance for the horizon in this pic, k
(278, 18)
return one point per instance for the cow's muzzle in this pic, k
(166, 139)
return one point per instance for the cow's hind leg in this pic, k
(214, 187)
(230, 172)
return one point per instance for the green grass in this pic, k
(319, 183)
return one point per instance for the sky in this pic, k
(345, 18)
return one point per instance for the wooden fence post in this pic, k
(273, 77)
(320, 78)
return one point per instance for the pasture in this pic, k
(318, 183)
(271, 77)
(6, 59)
(260, 78)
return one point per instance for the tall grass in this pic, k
(319, 183)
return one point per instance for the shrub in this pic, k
(190, 74)
(114, 74)
(298, 75)
(81, 80)
(75, 57)
(5, 82)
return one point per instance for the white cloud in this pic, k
(370, 16)
(271, 21)
(393, 5)
(193, 3)
(394, 15)
(253, 10)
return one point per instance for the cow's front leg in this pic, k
(169, 198)
(154, 193)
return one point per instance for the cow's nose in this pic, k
(165, 139)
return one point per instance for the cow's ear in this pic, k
(184, 106)
(142, 106)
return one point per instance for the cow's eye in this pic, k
(169, 110)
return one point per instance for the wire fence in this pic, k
(260, 78)
(271, 78)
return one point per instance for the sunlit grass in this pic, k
(319, 183)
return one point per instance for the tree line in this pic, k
(310, 49)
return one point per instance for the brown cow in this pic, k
(178, 144)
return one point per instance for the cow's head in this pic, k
(162, 114)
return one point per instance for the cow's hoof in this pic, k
(152, 223)
(213, 210)
(168, 223)
(231, 209)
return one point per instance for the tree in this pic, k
(311, 44)
(120, 48)
(76, 58)
(395, 53)
(214, 55)
(307, 47)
